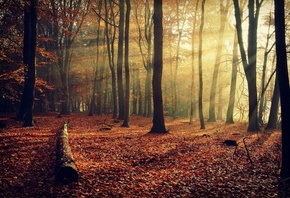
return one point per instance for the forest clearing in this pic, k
(129, 162)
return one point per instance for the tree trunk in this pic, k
(120, 62)
(110, 50)
(158, 116)
(283, 79)
(29, 53)
(192, 93)
(66, 170)
(200, 108)
(223, 18)
(230, 111)
(273, 117)
(127, 73)
(249, 62)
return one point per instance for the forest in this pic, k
(144, 98)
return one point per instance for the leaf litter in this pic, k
(129, 162)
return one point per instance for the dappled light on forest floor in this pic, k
(129, 162)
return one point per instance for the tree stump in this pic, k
(66, 170)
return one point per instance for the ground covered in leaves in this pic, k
(129, 162)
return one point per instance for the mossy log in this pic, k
(66, 170)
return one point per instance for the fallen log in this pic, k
(66, 170)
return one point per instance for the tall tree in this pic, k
(192, 93)
(223, 18)
(127, 72)
(200, 106)
(120, 61)
(181, 10)
(235, 64)
(283, 79)
(68, 19)
(145, 46)
(110, 31)
(92, 102)
(29, 53)
(273, 117)
(158, 115)
(250, 60)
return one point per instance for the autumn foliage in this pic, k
(129, 162)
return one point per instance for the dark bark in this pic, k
(29, 53)
(200, 107)
(273, 117)
(120, 62)
(235, 62)
(283, 79)
(66, 170)
(158, 115)
(127, 72)
(249, 62)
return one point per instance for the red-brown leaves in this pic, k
(128, 162)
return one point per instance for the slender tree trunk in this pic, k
(158, 116)
(230, 111)
(273, 117)
(92, 102)
(283, 79)
(120, 62)
(110, 50)
(200, 107)
(127, 73)
(223, 18)
(192, 93)
(29, 53)
(249, 62)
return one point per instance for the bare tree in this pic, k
(283, 79)
(158, 116)
(200, 108)
(250, 60)
(29, 53)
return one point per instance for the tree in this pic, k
(145, 47)
(127, 72)
(283, 79)
(223, 17)
(92, 102)
(192, 93)
(110, 32)
(235, 62)
(120, 61)
(273, 117)
(158, 115)
(68, 18)
(200, 108)
(250, 60)
(29, 54)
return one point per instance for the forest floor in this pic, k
(129, 162)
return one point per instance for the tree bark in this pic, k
(200, 107)
(273, 117)
(235, 62)
(213, 90)
(29, 53)
(127, 72)
(192, 93)
(66, 170)
(120, 62)
(283, 79)
(158, 116)
(249, 61)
